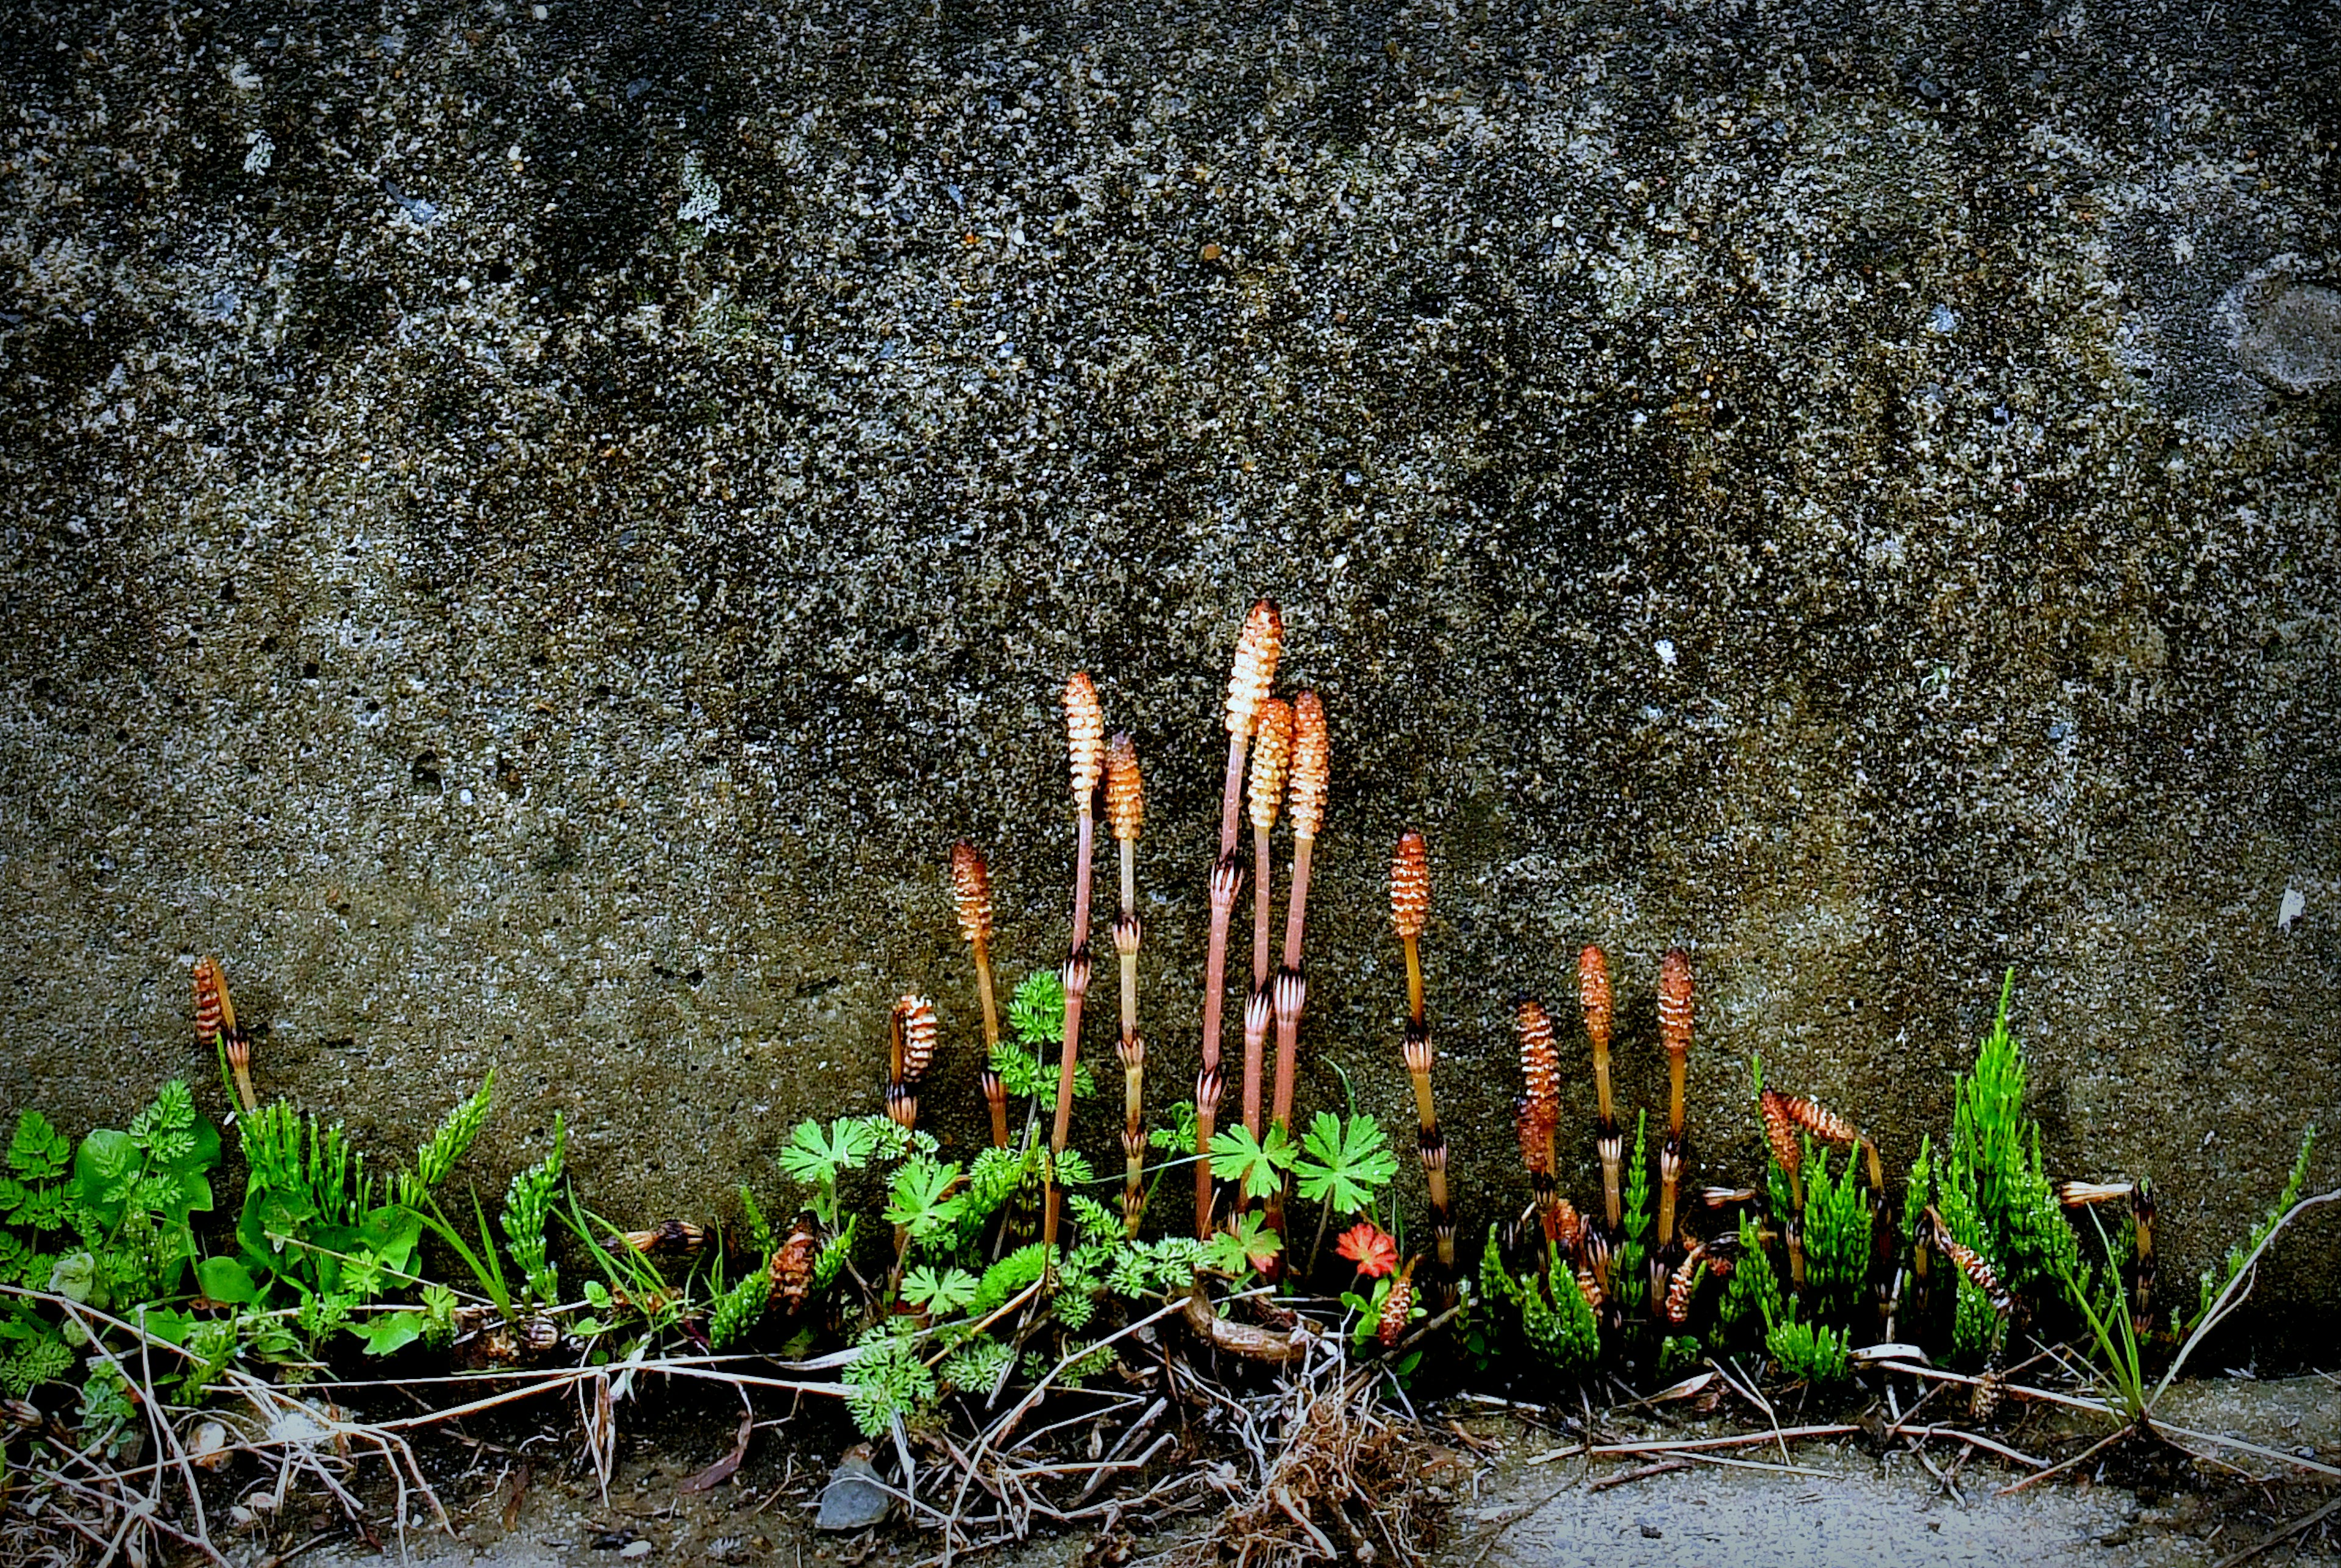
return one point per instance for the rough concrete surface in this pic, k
(530, 529)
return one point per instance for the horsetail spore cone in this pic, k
(1271, 766)
(1410, 914)
(1411, 910)
(1674, 1031)
(971, 899)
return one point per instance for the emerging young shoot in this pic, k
(1126, 810)
(1540, 1112)
(1674, 1031)
(1410, 914)
(1593, 994)
(1085, 754)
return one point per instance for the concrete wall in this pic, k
(530, 531)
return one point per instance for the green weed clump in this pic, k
(1547, 1310)
(1994, 1193)
(1837, 1216)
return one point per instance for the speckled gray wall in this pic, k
(530, 530)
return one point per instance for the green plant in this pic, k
(1838, 1223)
(1918, 1191)
(1036, 1019)
(887, 1379)
(818, 1158)
(1628, 1274)
(2114, 1333)
(1993, 1164)
(1247, 1246)
(527, 1203)
(1677, 1351)
(1179, 1137)
(129, 1200)
(1753, 1290)
(1808, 1351)
(1343, 1163)
(1550, 1310)
(1255, 1165)
(2213, 1282)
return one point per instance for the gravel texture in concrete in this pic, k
(530, 529)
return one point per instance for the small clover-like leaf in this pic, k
(1344, 1164)
(1259, 1165)
(939, 1294)
(920, 1202)
(1249, 1246)
(815, 1156)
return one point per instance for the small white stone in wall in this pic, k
(2294, 906)
(263, 151)
(1666, 651)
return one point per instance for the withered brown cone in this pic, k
(1311, 764)
(1409, 886)
(1125, 793)
(1780, 1130)
(1396, 1308)
(1971, 1264)
(971, 892)
(214, 1014)
(1084, 735)
(1825, 1124)
(667, 1237)
(919, 1036)
(1272, 762)
(2082, 1194)
(1254, 672)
